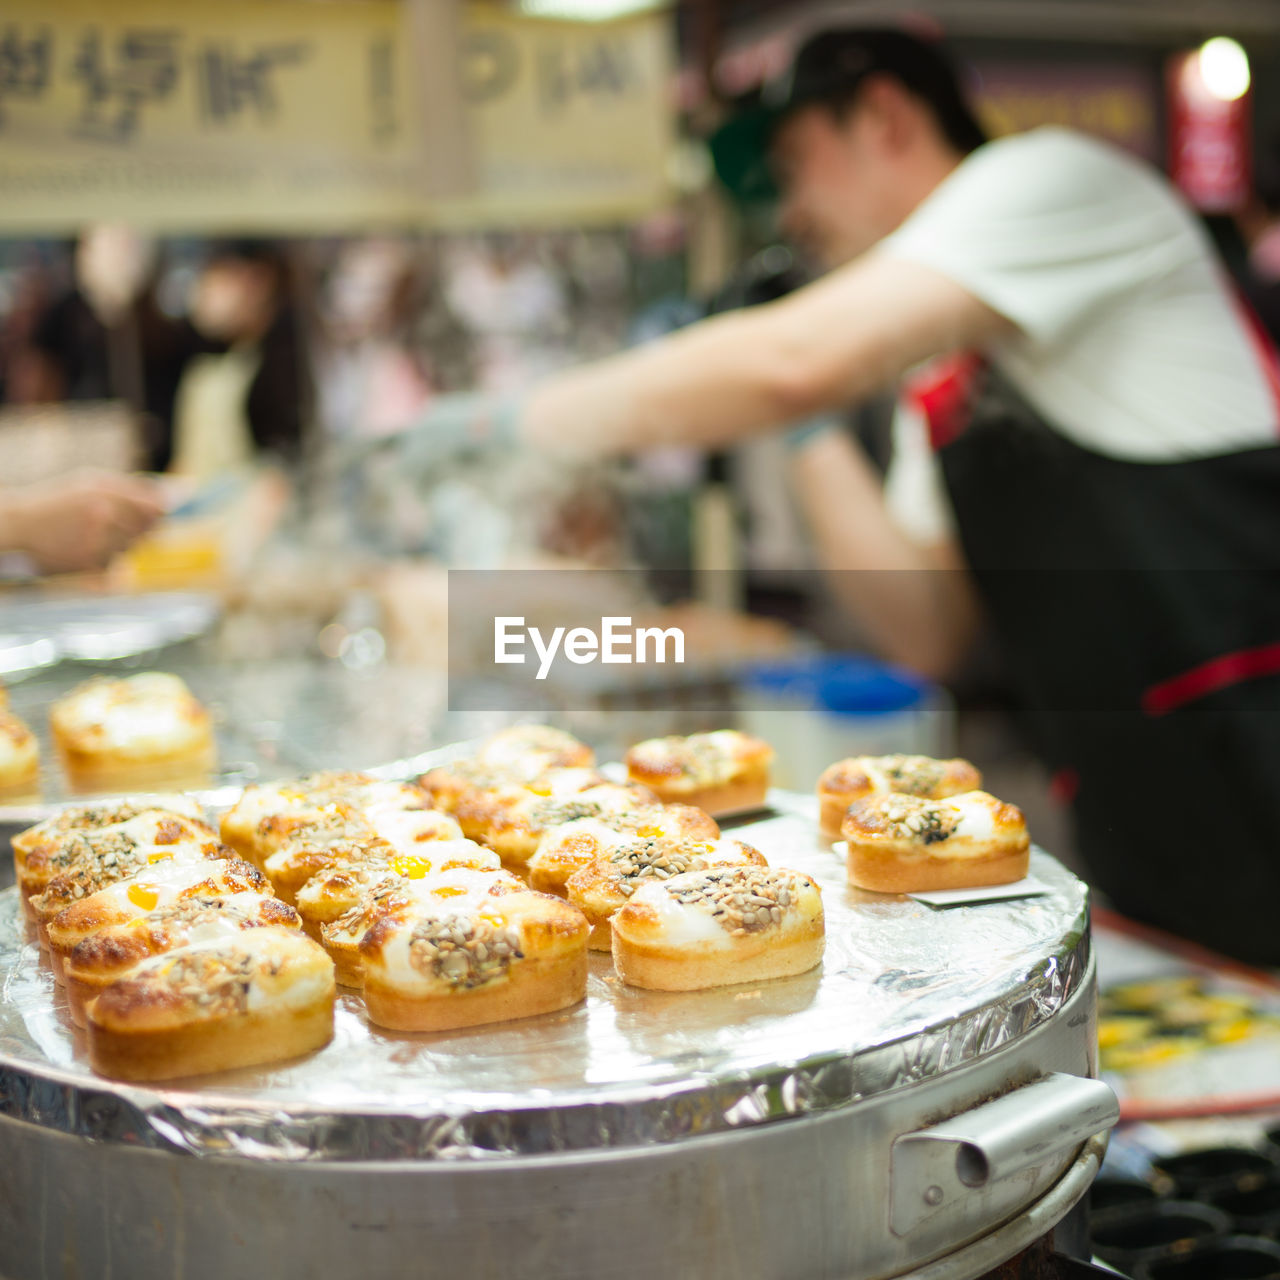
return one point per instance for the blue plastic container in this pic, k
(822, 707)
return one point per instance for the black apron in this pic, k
(1139, 606)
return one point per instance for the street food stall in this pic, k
(920, 1104)
(482, 857)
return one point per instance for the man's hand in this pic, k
(79, 521)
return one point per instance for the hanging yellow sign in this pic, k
(564, 115)
(295, 115)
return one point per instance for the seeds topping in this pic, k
(370, 906)
(95, 870)
(741, 901)
(195, 911)
(699, 757)
(911, 818)
(551, 813)
(98, 846)
(463, 951)
(216, 983)
(652, 859)
(91, 817)
(912, 775)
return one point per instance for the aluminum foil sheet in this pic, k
(905, 993)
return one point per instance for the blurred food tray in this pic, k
(271, 720)
(39, 631)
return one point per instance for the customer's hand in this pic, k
(78, 521)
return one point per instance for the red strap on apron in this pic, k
(945, 392)
(1217, 673)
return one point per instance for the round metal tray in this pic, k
(905, 992)
(758, 1132)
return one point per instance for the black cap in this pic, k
(828, 68)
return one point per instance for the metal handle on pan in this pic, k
(1021, 1130)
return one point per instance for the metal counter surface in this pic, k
(39, 629)
(906, 993)
(271, 720)
(282, 718)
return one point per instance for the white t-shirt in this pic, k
(1130, 340)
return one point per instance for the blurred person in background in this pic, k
(514, 305)
(77, 522)
(107, 338)
(371, 376)
(250, 395)
(1085, 454)
(30, 288)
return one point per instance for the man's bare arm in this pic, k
(826, 346)
(916, 603)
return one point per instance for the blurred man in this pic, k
(371, 377)
(1089, 459)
